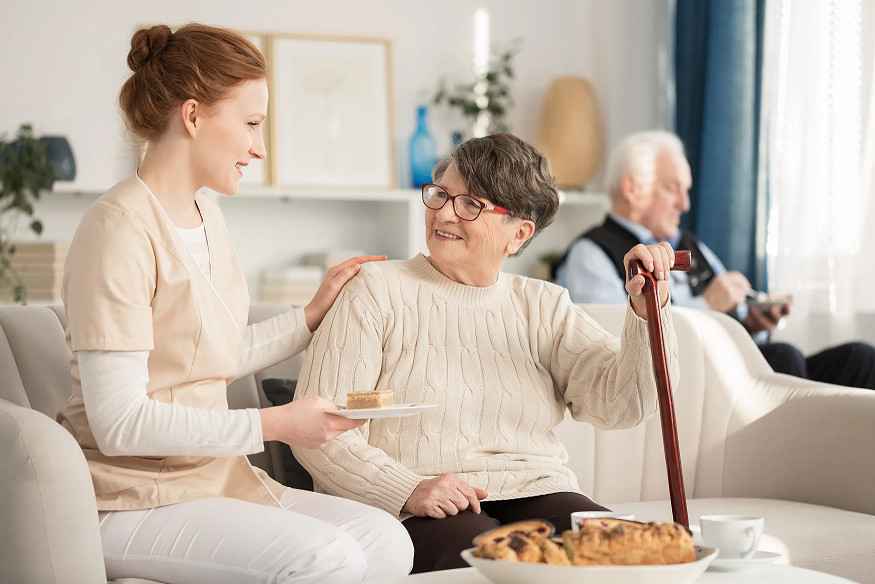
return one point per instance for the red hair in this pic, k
(199, 62)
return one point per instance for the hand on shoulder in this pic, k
(335, 279)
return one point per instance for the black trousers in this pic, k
(851, 365)
(437, 543)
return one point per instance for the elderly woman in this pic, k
(502, 356)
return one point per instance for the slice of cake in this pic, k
(364, 400)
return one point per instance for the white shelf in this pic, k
(258, 192)
(582, 198)
(274, 226)
(74, 188)
(325, 194)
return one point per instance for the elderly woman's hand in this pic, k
(442, 496)
(658, 259)
(334, 281)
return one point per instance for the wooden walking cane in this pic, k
(663, 384)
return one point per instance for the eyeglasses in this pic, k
(466, 207)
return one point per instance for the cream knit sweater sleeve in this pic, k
(345, 356)
(606, 381)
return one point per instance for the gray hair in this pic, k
(636, 155)
(508, 172)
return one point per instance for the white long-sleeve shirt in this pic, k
(125, 421)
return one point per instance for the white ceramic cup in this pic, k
(736, 536)
(581, 515)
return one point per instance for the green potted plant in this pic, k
(25, 172)
(485, 101)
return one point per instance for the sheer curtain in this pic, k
(819, 121)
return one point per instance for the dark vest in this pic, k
(616, 241)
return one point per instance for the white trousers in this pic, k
(317, 538)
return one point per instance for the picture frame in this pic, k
(330, 115)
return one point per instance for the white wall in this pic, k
(63, 64)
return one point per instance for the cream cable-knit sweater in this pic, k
(502, 363)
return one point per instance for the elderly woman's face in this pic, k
(480, 244)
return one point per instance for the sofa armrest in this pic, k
(797, 440)
(48, 520)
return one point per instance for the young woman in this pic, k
(157, 308)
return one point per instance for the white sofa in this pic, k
(752, 442)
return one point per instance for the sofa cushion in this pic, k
(48, 518)
(41, 356)
(808, 536)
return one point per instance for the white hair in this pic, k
(636, 155)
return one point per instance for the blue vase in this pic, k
(422, 150)
(59, 152)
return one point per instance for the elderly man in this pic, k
(648, 178)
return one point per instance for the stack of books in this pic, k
(40, 266)
(295, 285)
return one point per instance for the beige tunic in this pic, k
(130, 284)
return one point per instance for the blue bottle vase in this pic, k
(422, 150)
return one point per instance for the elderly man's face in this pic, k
(454, 243)
(660, 209)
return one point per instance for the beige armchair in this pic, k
(752, 442)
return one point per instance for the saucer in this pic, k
(757, 560)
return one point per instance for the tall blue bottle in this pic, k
(422, 150)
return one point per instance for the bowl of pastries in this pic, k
(605, 550)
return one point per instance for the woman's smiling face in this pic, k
(232, 137)
(468, 247)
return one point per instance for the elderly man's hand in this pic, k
(726, 291)
(658, 259)
(442, 496)
(758, 320)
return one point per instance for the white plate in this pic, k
(757, 560)
(396, 411)
(502, 572)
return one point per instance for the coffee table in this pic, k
(773, 574)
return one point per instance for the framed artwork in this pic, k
(331, 120)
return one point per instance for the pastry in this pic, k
(619, 542)
(599, 542)
(496, 550)
(526, 549)
(364, 400)
(553, 554)
(528, 528)
(525, 541)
